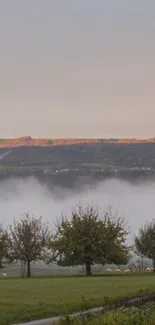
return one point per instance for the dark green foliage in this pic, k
(90, 238)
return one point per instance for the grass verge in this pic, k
(114, 318)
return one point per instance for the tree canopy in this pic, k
(88, 238)
(26, 240)
(145, 242)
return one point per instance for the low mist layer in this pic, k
(135, 202)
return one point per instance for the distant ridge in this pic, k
(27, 141)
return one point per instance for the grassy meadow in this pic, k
(41, 297)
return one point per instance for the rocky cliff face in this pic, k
(29, 142)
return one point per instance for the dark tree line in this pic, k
(89, 237)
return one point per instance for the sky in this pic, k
(77, 68)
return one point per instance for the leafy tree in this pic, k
(145, 242)
(3, 245)
(26, 240)
(89, 238)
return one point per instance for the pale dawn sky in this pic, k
(77, 68)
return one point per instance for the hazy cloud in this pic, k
(135, 202)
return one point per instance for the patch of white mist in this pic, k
(135, 202)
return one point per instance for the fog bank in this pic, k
(135, 202)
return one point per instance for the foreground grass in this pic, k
(35, 298)
(114, 318)
(140, 315)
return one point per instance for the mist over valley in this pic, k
(53, 178)
(133, 201)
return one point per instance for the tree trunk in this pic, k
(154, 265)
(88, 269)
(28, 269)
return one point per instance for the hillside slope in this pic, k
(83, 155)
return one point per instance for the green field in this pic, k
(96, 165)
(35, 298)
(102, 165)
